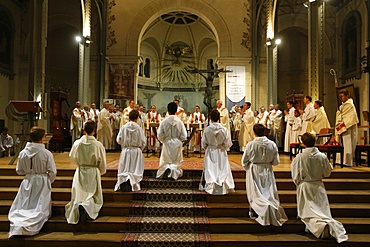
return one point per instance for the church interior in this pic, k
(54, 53)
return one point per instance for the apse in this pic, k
(172, 45)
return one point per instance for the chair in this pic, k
(323, 133)
(358, 153)
(295, 147)
(332, 147)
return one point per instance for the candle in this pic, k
(147, 124)
(187, 126)
(200, 125)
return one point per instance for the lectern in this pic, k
(22, 111)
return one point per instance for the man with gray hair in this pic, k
(224, 115)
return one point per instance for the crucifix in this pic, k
(211, 74)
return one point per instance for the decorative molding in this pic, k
(111, 34)
(247, 36)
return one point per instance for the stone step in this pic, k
(282, 183)
(283, 240)
(64, 194)
(117, 224)
(336, 173)
(73, 239)
(63, 239)
(359, 210)
(360, 196)
(215, 209)
(293, 225)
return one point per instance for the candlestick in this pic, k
(147, 124)
(200, 126)
(187, 126)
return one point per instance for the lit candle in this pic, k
(147, 124)
(187, 126)
(200, 125)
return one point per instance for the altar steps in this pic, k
(229, 224)
(282, 183)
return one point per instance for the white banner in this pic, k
(235, 83)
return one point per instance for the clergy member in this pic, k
(86, 193)
(153, 117)
(259, 157)
(308, 169)
(347, 120)
(6, 142)
(246, 127)
(289, 119)
(94, 112)
(196, 118)
(307, 115)
(217, 173)
(224, 115)
(31, 207)
(171, 133)
(131, 161)
(320, 120)
(180, 112)
(126, 111)
(87, 114)
(76, 122)
(105, 131)
(277, 125)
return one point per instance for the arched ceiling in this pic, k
(181, 41)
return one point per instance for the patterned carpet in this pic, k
(168, 213)
(186, 165)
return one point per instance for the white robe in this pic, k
(131, 162)
(320, 120)
(94, 114)
(171, 133)
(125, 119)
(217, 173)
(6, 142)
(296, 130)
(105, 131)
(31, 207)
(89, 155)
(259, 157)
(262, 118)
(76, 124)
(246, 129)
(307, 117)
(196, 117)
(289, 119)
(308, 170)
(276, 127)
(153, 117)
(347, 113)
(224, 117)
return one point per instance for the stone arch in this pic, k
(157, 8)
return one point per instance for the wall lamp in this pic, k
(83, 40)
(269, 41)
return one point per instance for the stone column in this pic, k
(316, 15)
(272, 53)
(84, 92)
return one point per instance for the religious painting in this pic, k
(351, 62)
(121, 81)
